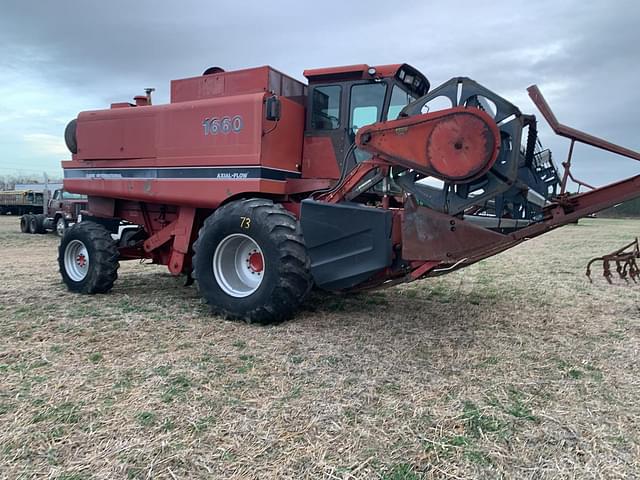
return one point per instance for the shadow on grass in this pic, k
(436, 302)
(154, 293)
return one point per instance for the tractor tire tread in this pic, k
(104, 257)
(24, 223)
(294, 277)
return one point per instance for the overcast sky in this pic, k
(60, 57)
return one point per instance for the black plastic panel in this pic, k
(347, 242)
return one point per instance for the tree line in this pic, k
(8, 182)
(630, 209)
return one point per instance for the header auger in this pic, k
(260, 186)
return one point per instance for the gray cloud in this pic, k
(57, 58)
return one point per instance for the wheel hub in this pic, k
(60, 226)
(255, 263)
(81, 260)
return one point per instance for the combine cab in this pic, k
(260, 186)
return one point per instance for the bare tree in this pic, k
(8, 182)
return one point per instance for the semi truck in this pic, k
(62, 210)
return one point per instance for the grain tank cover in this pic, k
(250, 80)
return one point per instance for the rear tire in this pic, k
(88, 258)
(25, 220)
(250, 262)
(36, 224)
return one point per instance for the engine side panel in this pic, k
(194, 153)
(175, 133)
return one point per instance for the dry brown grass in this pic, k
(514, 368)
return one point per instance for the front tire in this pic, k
(61, 227)
(250, 262)
(88, 258)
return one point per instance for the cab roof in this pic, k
(401, 71)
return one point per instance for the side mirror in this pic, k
(272, 109)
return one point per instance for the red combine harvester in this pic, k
(260, 186)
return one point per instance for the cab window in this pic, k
(73, 196)
(399, 99)
(325, 111)
(366, 104)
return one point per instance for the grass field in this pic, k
(516, 367)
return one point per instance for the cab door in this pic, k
(366, 106)
(324, 137)
(56, 201)
(335, 113)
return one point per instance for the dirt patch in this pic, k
(516, 367)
